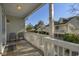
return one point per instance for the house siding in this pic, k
(75, 23)
(15, 24)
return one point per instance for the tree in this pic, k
(74, 9)
(40, 25)
(29, 27)
(36, 27)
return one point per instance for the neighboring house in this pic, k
(69, 25)
(40, 26)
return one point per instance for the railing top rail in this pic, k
(64, 44)
(58, 42)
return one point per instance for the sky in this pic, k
(60, 10)
(41, 14)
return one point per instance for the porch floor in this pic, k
(22, 48)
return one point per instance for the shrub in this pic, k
(40, 32)
(71, 38)
(43, 32)
(29, 27)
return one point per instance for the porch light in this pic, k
(19, 7)
(8, 21)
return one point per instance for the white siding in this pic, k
(15, 24)
(75, 23)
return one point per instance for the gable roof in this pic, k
(65, 20)
(55, 22)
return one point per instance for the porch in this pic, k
(21, 48)
(22, 43)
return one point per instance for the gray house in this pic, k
(69, 25)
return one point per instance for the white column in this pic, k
(1, 35)
(26, 24)
(51, 30)
(50, 49)
(51, 20)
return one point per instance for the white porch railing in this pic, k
(35, 39)
(51, 46)
(62, 48)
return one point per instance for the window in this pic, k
(8, 21)
(57, 27)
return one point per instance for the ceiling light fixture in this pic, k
(19, 7)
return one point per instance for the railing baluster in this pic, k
(78, 53)
(70, 53)
(54, 51)
(58, 50)
(48, 45)
(63, 51)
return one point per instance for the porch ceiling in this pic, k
(26, 8)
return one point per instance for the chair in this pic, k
(20, 36)
(12, 37)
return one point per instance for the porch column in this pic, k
(49, 45)
(26, 23)
(51, 20)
